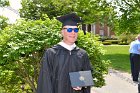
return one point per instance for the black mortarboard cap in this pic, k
(69, 19)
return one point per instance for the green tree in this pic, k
(3, 22)
(129, 15)
(37, 9)
(90, 10)
(4, 3)
(94, 11)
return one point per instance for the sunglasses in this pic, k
(72, 29)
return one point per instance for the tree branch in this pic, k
(24, 73)
(133, 5)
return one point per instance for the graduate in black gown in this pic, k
(63, 58)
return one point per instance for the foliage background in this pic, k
(4, 3)
(3, 22)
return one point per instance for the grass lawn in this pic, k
(119, 57)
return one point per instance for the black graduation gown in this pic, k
(57, 62)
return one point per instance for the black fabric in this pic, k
(69, 19)
(138, 88)
(135, 66)
(57, 62)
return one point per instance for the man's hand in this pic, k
(77, 88)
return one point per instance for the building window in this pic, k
(101, 32)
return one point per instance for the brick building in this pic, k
(97, 28)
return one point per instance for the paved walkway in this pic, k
(117, 82)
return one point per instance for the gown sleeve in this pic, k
(44, 81)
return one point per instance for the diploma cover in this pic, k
(81, 79)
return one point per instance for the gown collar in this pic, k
(69, 47)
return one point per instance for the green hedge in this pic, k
(106, 43)
(123, 43)
(113, 41)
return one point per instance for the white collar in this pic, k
(69, 47)
(138, 41)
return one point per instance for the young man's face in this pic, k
(69, 35)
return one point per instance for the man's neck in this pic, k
(69, 47)
(68, 43)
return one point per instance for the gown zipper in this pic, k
(70, 52)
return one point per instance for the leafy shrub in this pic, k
(95, 51)
(127, 38)
(22, 46)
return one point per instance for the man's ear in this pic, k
(62, 33)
